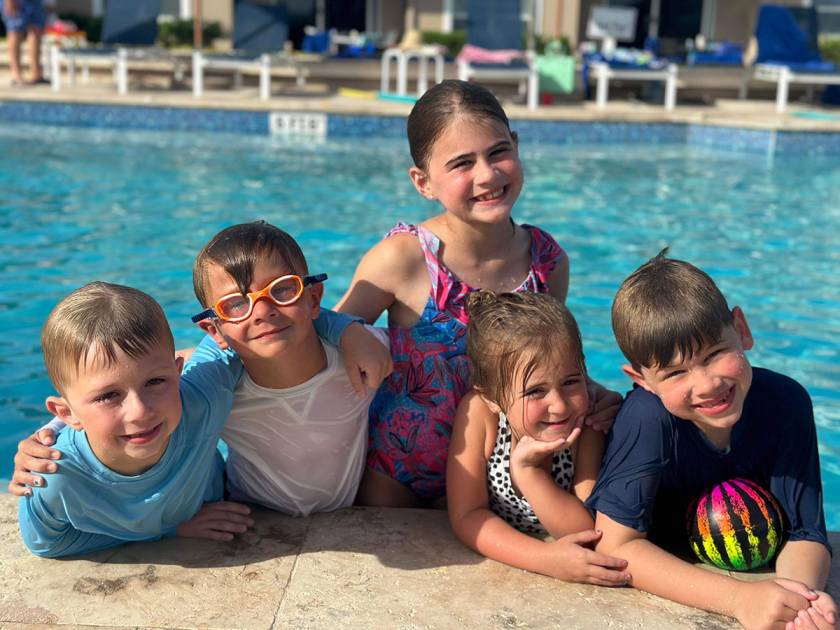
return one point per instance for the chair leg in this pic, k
(122, 72)
(782, 90)
(671, 88)
(265, 77)
(602, 86)
(197, 73)
(55, 68)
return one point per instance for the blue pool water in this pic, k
(135, 208)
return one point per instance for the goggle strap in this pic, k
(203, 315)
(314, 279)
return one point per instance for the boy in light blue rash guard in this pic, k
(142, 458)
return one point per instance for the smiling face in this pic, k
(271, 331)
(709, 387)
(551, 398)
(473, 170)
(127, 407)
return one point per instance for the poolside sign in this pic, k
(618, 23)
(305, 124)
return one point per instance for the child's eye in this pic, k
(713, 354)
(673, 374)
(106, 397)
(570, 382)
(500, 151)
(535, 392)
(156, 380)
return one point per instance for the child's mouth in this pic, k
(718, 405)
(491, 196)
(144, 437)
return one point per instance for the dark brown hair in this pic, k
(438, 106)
(99, 318)
(667, 308)
(238, 248)
(506, 327)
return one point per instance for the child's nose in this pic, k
(137, 407)
(557, 404)
(706, 382)
(485, 171)
(263, 307)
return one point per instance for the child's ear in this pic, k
(490, 404)
(742, 328)
(316, 292)
(515, 137)
(636, 377)
(179, 364)
(420, 179)
(211, 327)
(60, 408)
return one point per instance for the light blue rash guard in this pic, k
(87, 507)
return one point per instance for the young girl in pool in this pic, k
(521, 461)
(465, 156)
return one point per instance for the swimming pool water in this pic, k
(135, 208)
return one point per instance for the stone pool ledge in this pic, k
(357, 568)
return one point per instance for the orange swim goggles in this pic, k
(237, 307)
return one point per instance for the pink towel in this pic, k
(470, 53)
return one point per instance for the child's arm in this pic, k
(590, 450)
(754, 604)
(391, 275)
(48, 535)
(475, 525)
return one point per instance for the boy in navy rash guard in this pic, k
(700, 414)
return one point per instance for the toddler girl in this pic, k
(465, 156)
(520, 460)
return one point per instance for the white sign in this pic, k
(616, 22)
(298, 124)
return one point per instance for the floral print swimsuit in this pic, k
(411, 415)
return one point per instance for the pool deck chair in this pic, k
(494, 31)
(788, 52)
(604, 72)
(129, 31)
(260, 31)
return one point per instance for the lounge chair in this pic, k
(129, 31)
(494, 47)
(260, 31)
(788, 51)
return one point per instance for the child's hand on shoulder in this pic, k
(217, 521)
(366, 359)
(575, 562)
(33, 455)
(603, 407)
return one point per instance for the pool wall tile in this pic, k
(358, 126)
(134, 117)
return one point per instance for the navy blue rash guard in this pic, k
(656, 463)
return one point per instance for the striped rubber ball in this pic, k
(736, 525)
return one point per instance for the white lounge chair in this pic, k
(259, 39)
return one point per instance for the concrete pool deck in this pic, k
(356, 568)
(321, 97)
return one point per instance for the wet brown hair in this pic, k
(237, 250)
(99, 318)
(504, 328)
(666, 308)
(438, 106)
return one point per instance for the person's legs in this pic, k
(34, 44)
(15, 39)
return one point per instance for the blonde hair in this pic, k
(99, 318)
(504, 328)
